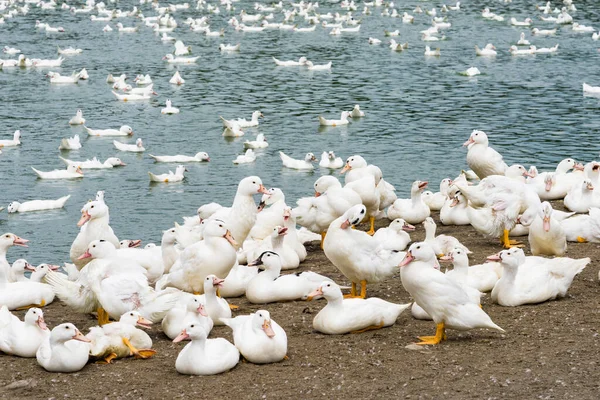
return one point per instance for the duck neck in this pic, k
(461, 268)
(415, 196)
(429, 232)
(509, 273)
(277, 242)
(271, 273)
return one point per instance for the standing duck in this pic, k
(482, 159)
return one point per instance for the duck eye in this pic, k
(92, 207)
(418, 247)
(254, 182)
(66, 327)
(191, 326)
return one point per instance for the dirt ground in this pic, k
(549, 351)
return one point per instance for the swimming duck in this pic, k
(356, 112)
(169, 177)
(199, 157)
(189, 309)
(132, 97)
(138, 147)
(169, 109)
(14, 142)
(301, 61)
(321, 67)
(258, 337)
(358, 256)
(232, 129)
(441, 244)
(531, 280)
(94, 224)
(143, 79)
(177, 79)
(37, 205)
(329, 160)
(94, 163)
(488, 50)
(121, 339)
(127, 29)
(73, 143)
(526, 22)
(125, 130)
(72, 172)
(395, 236)
(374, 41)
(180, 60)
(259, 143)
(57, 78)
(64, 350)
(440, 296)
(229, 47)
(292, 163)
(543, 32)
(216, 255)
(335, 122)
(546, 236)
(356, 315)
(244, 123)
(77, 119)
(248, 157)
(482, 277)
(269, 286)
(204, 356)
(22, 338)
(69, 51)
(482, 159)
(583, 228)
(432, 53)
(522, 41)
(413, 210)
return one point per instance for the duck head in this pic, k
(261, 320)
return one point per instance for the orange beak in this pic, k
(263, 190)
(182, 336)
(79, 336)
(347, 167)
(85, 217)
(267, 328)
(18, 241)
(230, 239)
(84, 255)
(316, 293)
(408, 258)
(144, 323)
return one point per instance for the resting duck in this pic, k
(189, 309)
(546, 236)
(17, 295)
(342, 316)
(395, 236)
(482, 277)
(258, 337)
(413, 210)
(22, 338)
(555, 185)
(581, 197)
(237, 281)
(435, 201)
(441, 244)
(121, 339)
(358, 256)
(269, 286)
(204, 356)
(439, 295)
(64, 350)
(455, 211)
(583, 228)
(482, 159)
(531, 280)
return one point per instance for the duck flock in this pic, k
(241, 248)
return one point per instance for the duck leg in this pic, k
(372, 230)
(507, 243)
(369, 328)
(323, 238)
(138, 353)
(363, 289)
(42, 304)
(581, 239)
(352, 292)
(108, 359)
(103, 317)
(440, 335)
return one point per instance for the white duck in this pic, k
(455, 211)
(124, 130)
(259, 143)
(199, 157)
(237, 281)
(583, 228)
(522, 41)
(22, 338)
(177, 79)
(133, 96)
(94, 224)
(581, 197)
(63, 350)
(413, 210)
(180, 60)
(244, 123)
(269, 286)
(248, 157)
(395, 236)
(270, 217)
(181, 49)
(546, 236)
(189, 309)
(169, 177)
(216, 307)
(356, 112)
(127, 29)
(482, 277)
(329, 160)
(8, 240)
(531, 280)
(292, 163)
(441, 244)
(258, 337)
(330, 201)
(16, 140)
(94, 163)
(77, 119)
(216, 255)
(232, 129)
(342, 316)
(73, 143)
(37, 205)
(138, 147)
(441, 297)
(432, 53)
(169, 109)
(229, 47)
(121, 339)
(301, 61)
(204, 356)
(57, 78)
(335, 122)
(16, 295)
(435, 201)
(358, 256)
(482, 159)
(72, 172)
